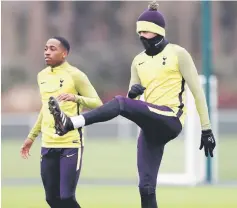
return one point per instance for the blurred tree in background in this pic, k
(104, 42)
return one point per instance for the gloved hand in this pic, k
(136, 90)
(208, 142)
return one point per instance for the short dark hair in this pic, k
(63, 41)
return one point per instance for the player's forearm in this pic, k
(88, 96)
(88, 102)
(190, 75)
(202, 109)
(36, 128)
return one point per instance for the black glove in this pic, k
(136, 90)
(208, 142)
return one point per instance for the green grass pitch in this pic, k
(125, 197)
(115, 160)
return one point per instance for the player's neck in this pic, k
(57, 65)
(159, 48)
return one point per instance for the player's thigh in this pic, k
(70, 168)
(144, 114)
(49, 168)
(149, 158)
(134, 110)
(163, 128)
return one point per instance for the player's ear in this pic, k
(64, 54)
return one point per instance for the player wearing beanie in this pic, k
(160, 73)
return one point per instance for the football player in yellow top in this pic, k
(61, 156)
(160, 72)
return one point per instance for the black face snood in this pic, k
(154, 45)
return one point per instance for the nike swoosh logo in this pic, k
(42, 82)
(141, 63)
(70, 155)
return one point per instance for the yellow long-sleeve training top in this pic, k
(53, 82)
(165, 75)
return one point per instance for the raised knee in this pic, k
(147, 190)
(120, 98)
(121, 101)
